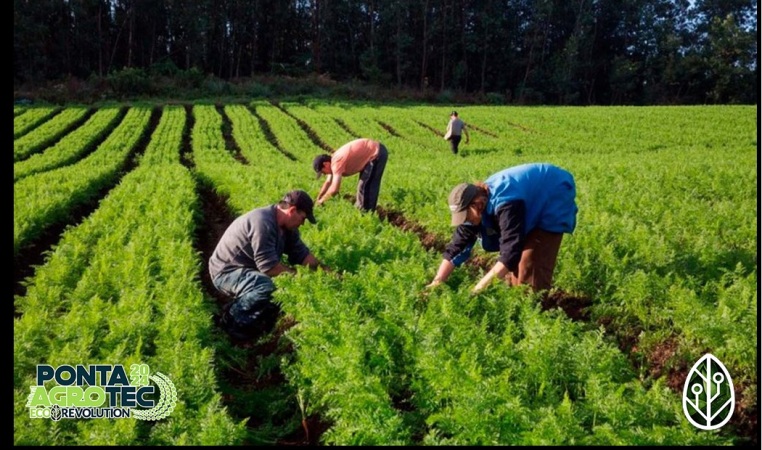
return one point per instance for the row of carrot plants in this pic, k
(72, 146)
(19, 109)
(26, 119)
(47, 133)
(244, 187)
(48, 197)
(122, 287)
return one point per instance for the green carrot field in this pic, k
(117, 208)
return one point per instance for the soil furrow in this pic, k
(227, 132)
(270, 136)
(217, 216)
(314, 137)
(482, 130)
(430, 128)
(345, 127)
(389, 128)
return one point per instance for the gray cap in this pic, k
(460, 197)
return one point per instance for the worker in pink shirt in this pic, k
(364, 156)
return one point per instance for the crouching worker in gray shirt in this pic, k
(249, 255)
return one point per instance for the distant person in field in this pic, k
(522, 212)
(364, 156)
(455, 128)
(248, 256)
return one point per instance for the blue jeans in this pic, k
(252, 309)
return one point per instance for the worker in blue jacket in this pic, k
(522, 212)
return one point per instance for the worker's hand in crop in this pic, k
(498, 271)
(477, 289)
(433, 284)
(428, 289)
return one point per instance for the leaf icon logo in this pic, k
(708, 395)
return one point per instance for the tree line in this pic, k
(521, 51)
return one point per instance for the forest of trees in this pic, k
(566, 52)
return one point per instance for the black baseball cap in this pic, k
(302, 201)
(454, 113)
(317, 163)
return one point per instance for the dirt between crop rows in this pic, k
(217, 217)
(313, 136)
(389, 129)
(430, 128)
(487, 132)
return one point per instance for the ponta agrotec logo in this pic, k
(101, 392)
(708, 395)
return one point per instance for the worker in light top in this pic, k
(364, 156)
(455, 128)
(522, 212)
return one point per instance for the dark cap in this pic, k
(460, 197)
(302, 201)
(317, 163)
(454, 113)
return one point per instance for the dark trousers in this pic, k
(370, 181)
(454, 142)
(538, 259)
